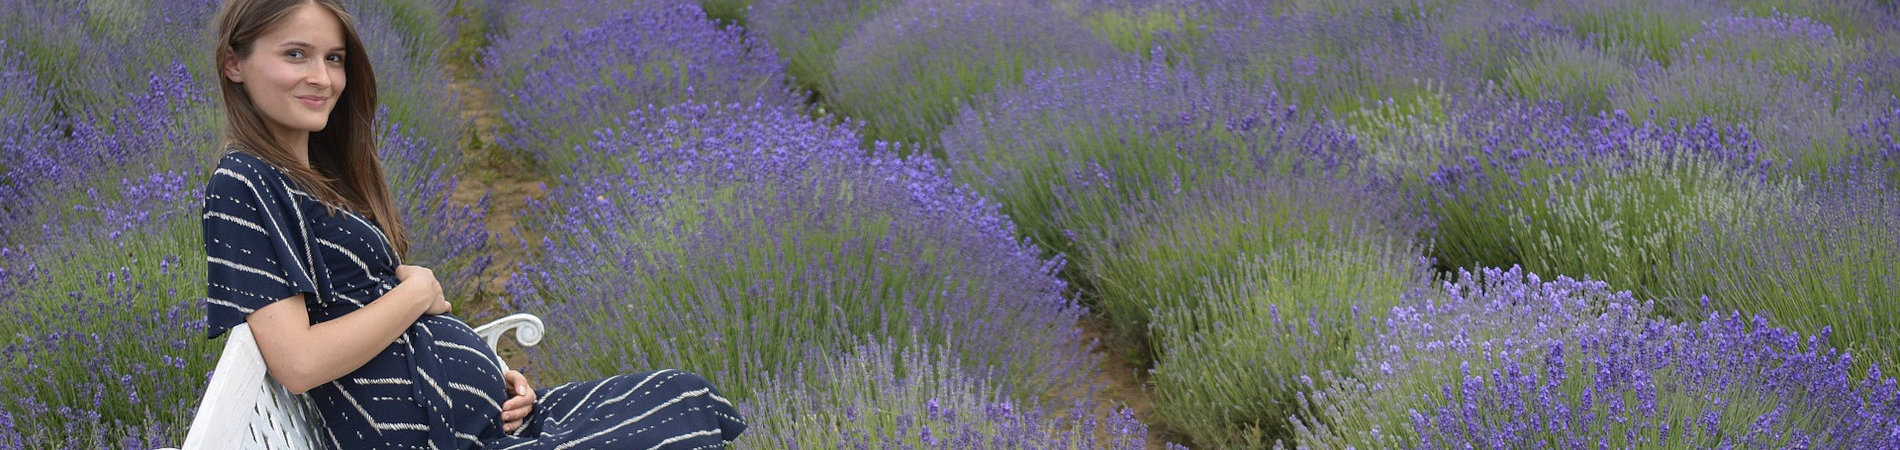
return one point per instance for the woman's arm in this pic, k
(303, 356)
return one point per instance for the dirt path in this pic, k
(486, 170)
(1123, 384)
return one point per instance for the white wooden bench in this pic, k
(243, 408)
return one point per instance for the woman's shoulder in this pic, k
(241, 171)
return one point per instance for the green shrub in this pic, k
(1828, 261)
(1607, 218)
(1800, 124)
(1157, 252)
(1172, 28)
(726, 11)
(906, 73)
(1656, 29)
(1580, 76)
(1232, 355)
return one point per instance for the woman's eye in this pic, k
(334, 58)
(294, 54)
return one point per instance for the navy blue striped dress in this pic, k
(438, 386)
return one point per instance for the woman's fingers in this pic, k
(520, 401)
(516, 404)
(517, 383)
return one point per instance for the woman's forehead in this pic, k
(311, 26)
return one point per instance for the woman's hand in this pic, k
(422, 278)
(520, 401)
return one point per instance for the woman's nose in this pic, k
(320, 78)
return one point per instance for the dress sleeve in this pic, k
(256, 248)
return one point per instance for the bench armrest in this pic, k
(528, 330)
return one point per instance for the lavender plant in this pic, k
(26, 130)
(1487, 35)
(1828, 262)
(1335, 62)
(809, 33)
(89, 53)
(1657, 28)
(890, 396)
(1230, 355)
(1789, 44)
(445, 235)
(523, 28)
(1156, 252)
(907, 72)
(1606, 198)
(1799, 123)
(652, 57)
(1176, 27)
(753, 227)
(1504, 359)
(1065, 151)
(1583, 77)
(1154, 178)
(411, 80)
(100, 302)
(727, 11)
(1850, 19)
(1877, 67)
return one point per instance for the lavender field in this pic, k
(1042, 224)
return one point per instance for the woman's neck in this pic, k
(297, 141)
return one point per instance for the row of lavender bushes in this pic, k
(843, 290)
(112, 126)
(1251, 196)
(1620, 141)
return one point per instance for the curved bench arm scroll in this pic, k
(528, 330)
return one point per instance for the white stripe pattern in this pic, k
(223, 262)
(392, 380)
(351, 255)
(233, 219)
(478, 393)
(635, 419)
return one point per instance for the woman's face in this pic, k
(294, 74)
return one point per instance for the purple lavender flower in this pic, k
(103, 332)
(26, 131)
(1790, 44)
(1826, 262)
(1657, 28)
(1605, 196)
(907, 72)
(90, 53)
(1601, 371)
(1799, 122)
(809, 33)
(758, 226)
(554, 95)
(922, 397)
(1340, 63)
(1066, 149)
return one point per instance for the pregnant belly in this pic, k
(469, 366)
(388, 400)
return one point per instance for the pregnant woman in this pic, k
(302, 241)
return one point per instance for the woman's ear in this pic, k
(231, 70)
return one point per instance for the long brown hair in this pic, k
(343, 169)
